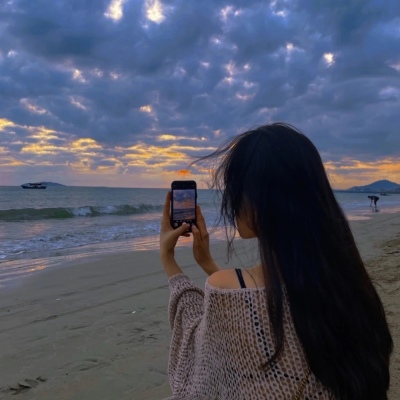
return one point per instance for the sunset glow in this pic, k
(129, 93)
(114, 10)
(90, 157)
(146, 109)
(5, 123)
(154, 11)
(29, 105)
(329, 58)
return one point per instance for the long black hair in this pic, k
(274, 176)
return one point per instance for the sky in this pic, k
(125, 93)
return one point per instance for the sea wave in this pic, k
(73, 212)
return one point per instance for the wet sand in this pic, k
(97, 327)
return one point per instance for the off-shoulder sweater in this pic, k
(220, 340)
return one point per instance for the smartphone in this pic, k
(183, 203)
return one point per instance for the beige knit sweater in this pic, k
(221, 337)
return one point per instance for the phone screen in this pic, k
(183, 207)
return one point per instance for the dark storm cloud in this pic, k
(332, 68)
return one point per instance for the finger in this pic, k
(201, 222)
(167, 203)
(196, 233)
(201, 225)
(166, 209)
(175, 233)
(197, 239)
(182, 230)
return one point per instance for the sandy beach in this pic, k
(97, 327)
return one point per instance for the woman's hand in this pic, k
(168, 239)
(201, 245)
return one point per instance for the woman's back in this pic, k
(274, 187)
(222, 338)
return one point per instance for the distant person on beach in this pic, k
(373, 199)
(306, 321)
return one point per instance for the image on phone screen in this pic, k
(184, 201)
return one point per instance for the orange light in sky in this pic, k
(4, 123)
(145, 164)
(348, 172)
(184, 172)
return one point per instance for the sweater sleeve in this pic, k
(186, 308)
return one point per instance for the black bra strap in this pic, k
(240, 277)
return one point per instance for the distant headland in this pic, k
(383, 186)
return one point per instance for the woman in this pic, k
(306, 322)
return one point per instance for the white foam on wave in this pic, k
(82, 211)
(71, 233)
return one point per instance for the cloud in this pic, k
(145, 76)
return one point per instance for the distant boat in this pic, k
(384, 194)
(38, 185)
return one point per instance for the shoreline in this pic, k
(20, 266)
(23, 266)
(96, 327)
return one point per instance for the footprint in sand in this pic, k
(24, 385)
(86, 365)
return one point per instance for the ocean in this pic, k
(76, 221)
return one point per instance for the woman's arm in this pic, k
(168, 239)
(186, 305)
(186, 310)
(201, 245)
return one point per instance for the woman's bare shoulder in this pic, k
(224, 279)
(228, 279)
